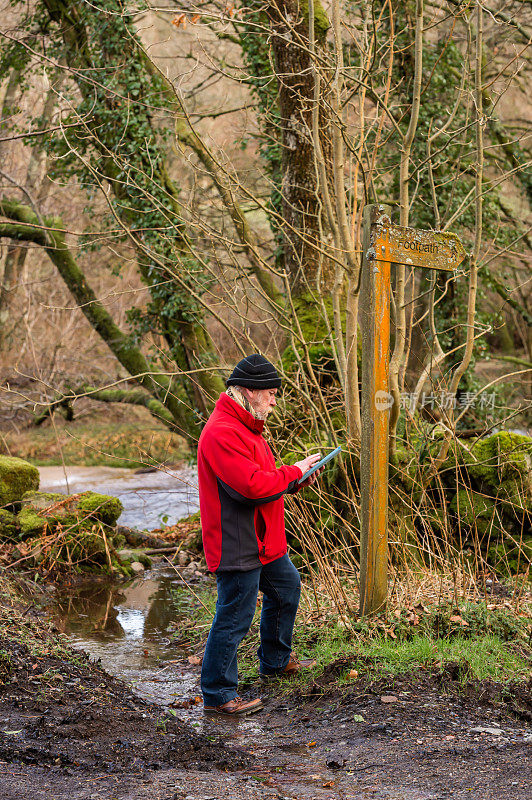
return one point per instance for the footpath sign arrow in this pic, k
(417, 248)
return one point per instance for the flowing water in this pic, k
(129, 629)
(150, 500)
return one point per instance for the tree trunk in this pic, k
(37, 185)
(300, 201)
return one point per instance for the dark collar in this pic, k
(227, 405)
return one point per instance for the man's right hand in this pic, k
(308, 462)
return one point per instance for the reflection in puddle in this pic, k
(128, 628)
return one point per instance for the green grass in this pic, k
(488, 643)
(478, 658)
(485, 643)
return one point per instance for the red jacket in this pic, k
(240, 491)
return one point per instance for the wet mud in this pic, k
(68, 729)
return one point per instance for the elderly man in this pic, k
(242, 517)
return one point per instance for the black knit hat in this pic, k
(254, 372)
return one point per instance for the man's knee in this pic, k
(281, 584)
(237, 600)
(291, 590)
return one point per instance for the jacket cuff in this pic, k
(294, 487)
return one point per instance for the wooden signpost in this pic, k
(384, 244)
(416, 248)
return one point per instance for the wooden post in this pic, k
(384, 244)
(376, 404)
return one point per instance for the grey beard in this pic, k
(235, 393)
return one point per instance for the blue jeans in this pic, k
(280, 583)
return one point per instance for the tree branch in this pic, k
(25, 227)
(135, 397)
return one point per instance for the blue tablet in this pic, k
(320, 464)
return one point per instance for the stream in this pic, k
(129, 629)
(150, 499)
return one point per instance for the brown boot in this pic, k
(236, 707)
(294, 667)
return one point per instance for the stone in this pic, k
(336, 760)
(134, 555)
(87, 505)
(137, 567)
(9, 528)
(42, 501)
(102, 506)
(31, 523)
(16, 477)
(504, 464)
(477, 511)
(493, 731)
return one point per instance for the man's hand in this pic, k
(313, 478)
(307, 464)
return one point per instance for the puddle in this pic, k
(146, 497)
(129, 628)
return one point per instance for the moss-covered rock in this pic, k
(498, 469)
(16, 478)
(404, 468)
(502, 463)
(9, 528)
(127, 556)
(71, 509)
(102, 506)
(31, 523)
(84, 545)
(476, 511)
(72, 548)
(43, 501)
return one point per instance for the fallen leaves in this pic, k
(458, 619)
(190, 703)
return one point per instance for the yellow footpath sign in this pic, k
(417, 248)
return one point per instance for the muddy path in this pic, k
(92, 739)
(68, 729)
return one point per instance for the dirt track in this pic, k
(71, 731)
